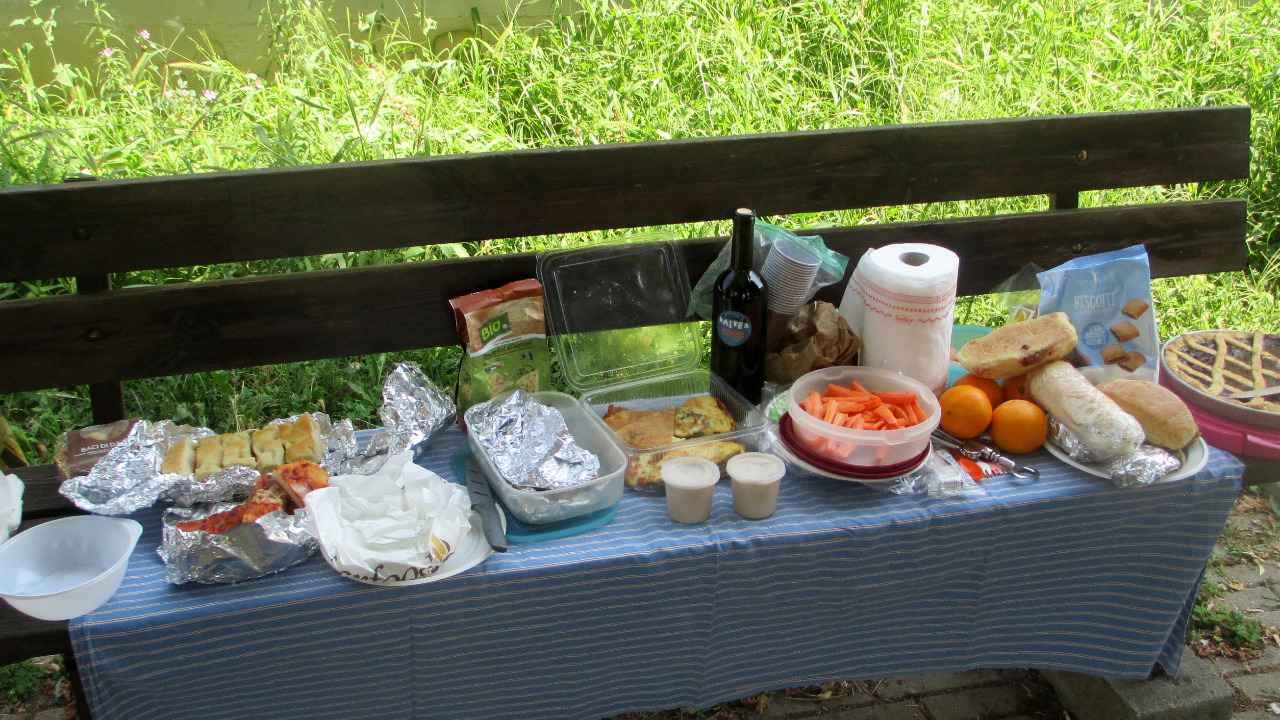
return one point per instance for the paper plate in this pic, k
(472, 551)
(1197, 456)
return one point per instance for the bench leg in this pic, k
(77, 685)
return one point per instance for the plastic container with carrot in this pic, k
(863, 417)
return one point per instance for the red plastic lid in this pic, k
(864, 472)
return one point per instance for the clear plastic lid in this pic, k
(618, 313)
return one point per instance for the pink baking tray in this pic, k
(1231, 435)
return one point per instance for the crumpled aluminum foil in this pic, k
(413, 409)
(1148, 465)
(1144, 467)
(529, 444)
(128, 477)
(274, 542)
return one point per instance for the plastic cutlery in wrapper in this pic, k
(398, 525)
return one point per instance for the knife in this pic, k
(482, 503)
(1265, 392)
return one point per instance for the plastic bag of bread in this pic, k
(504, 339)
(1107, 297)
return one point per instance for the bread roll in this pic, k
(1100, 424)
(1165, 418)
(235, 450)
(302, 440)
(267, 447)
(181, 457)
(208, 456)
(1019, 347)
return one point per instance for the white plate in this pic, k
(472, 551)
(1197, 456)
(781, 448)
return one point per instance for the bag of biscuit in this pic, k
(504, 340)
(1107, 296)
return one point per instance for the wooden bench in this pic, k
(102, 336)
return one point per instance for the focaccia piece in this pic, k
(208, 456)
(235, 450)
(181, 458)
(701, 416)
(1019, 347)
(267, 448)
(302, 440)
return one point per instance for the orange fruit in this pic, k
(1016, 388)
(966, 411)
(990, 387)
(1019, 426)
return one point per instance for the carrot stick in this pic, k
(839, 419)
(897, 398)
(857, 386)
(900, 414)
(857, 421)
(838, 391)
(889, 419)
(813, 404)
(829, 413)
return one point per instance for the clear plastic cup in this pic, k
(691, 485)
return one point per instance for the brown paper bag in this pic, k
(814, 338)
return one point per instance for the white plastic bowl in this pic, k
(863, 448)
(68, 567)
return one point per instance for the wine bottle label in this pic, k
(733, 328)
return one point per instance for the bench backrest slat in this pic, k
(95, 228)
(193, 327)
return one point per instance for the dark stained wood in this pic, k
(106, 399)
(40, 499)
(178, 221)
(1064, 200)
(253, 321)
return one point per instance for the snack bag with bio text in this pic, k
(504, 339)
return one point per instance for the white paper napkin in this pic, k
(10, 505)
(402, 521)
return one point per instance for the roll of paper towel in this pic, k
(901, 301)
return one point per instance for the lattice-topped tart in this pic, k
(1226, 362)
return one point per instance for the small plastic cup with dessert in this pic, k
(690, 485)
(756, 478)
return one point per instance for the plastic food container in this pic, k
(617, 315)
(667, 392)
(535, 507)
(66, 568)
(862, 448)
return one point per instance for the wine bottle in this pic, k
(738, 315)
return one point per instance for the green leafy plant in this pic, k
(19, 682)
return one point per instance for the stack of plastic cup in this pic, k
(789, 271)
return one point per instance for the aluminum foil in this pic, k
(275, 542)
(128, 478)
(1149, 464)
(1145, 466)
(413, 409)
(529, 444)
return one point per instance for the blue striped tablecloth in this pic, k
(844, 582)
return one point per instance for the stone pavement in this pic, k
(1246, 565)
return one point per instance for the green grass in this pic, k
(20, 681)
(652, 69)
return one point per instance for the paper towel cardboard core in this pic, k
(915, 259)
